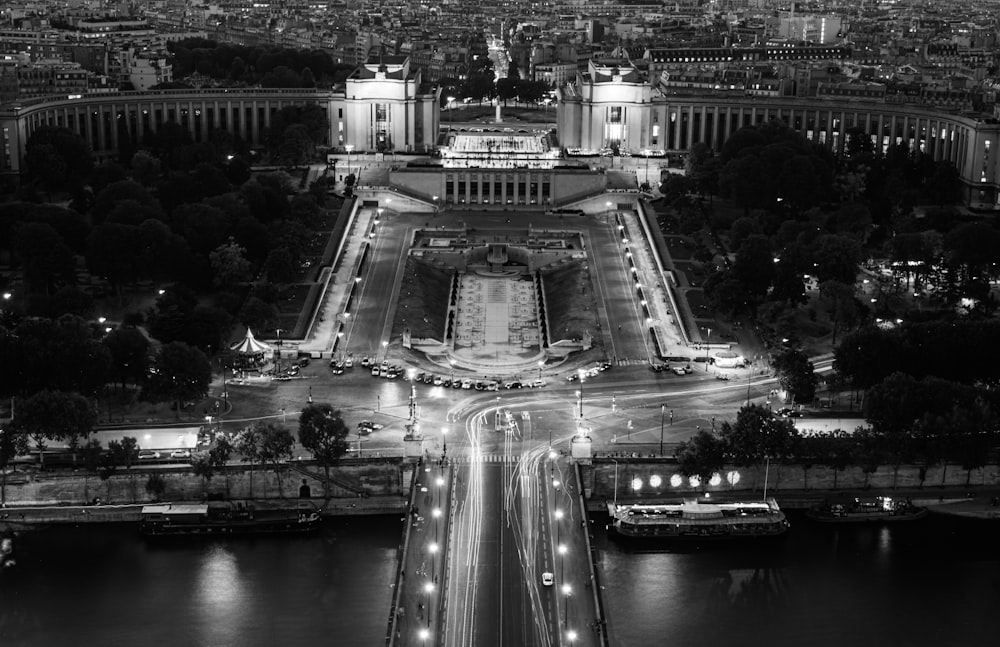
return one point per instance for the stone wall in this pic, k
(376, 478)
(599, 479)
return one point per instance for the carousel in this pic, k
(251, 356)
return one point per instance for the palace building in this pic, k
(386, 106)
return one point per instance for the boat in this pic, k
(699, 519)
(229, 518)
(862, 509)
(6, 551)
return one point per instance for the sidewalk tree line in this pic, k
(956, 434)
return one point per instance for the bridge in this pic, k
(496, 549)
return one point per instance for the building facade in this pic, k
(388, 110)
(601, 111)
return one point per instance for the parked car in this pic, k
(180, 453)
(349, 362)
(366, 362)
(370, 425)
(689, 369)
(466, 384)
(438, 380)
(303, 362)
(337, 369)
(603, 366)
(148, 455)
(722, 376)
(536, 383)
(679, 370)
(376, 371)
(573, 377)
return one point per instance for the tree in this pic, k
(47, 261)
(757, 436)
(203, 467)
(796, 374)
(179, 373)
(229, 264)
(837, 259)
(219, 455)
(324, 434)
(129, 354)
(92, 454)
(841, 303)
(125, 453)
(55, 415)
(13, 443)
(275, 447)
(155, 486)
(58, 157)
(248, 444)
(701, 456)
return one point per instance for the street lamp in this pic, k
(663, 409)
(562, 560)
(423, 634)
(566, 589)
(559, 515)
(496, 415)
(571, 636)
(541, 363)
(411, 374)
(444, 440)
(433, 549)
(428, 589)
(708, 341)
(583, 376)
(436, 513)
(277, 360)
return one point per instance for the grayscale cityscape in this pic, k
(522, 323)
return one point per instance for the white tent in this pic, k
(250, 346)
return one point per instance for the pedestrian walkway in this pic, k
(417, 613)
(487, 458)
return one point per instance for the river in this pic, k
(104, 585)
(930, 583)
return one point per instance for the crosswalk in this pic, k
(632, 362)
(487, 458)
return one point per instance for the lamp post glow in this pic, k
(444, 451)
(428, 589)
(451, 107)
(541, 363)
(558, 515)
(663, 410)
(566, 589)
(708, 341)
(562, 560)
(436, 513)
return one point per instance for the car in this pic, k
(658, 368)
(438, 380)
(603, 366)
(292, 371)
(428, 379)
(679, 370)
(148, 455)
(303, 362)
(180, 453)
(689, 369)
(446, 383)
(349, 362)
(536, 383)
(548, 579)
(573, 377)
(371, 425)
(337, 369)
(593, 372)
(466, 384)
(419, 377)
(512, 385)
(376, 371)
(722, 376)
(383, 371)
(366, 362)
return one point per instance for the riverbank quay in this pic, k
(19, 518)
(971, 503)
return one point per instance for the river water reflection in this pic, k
(104, 585)
(934, 582)
(931, 583)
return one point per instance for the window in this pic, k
(615, 114)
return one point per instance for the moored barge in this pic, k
(229, 518)
(699, 519)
